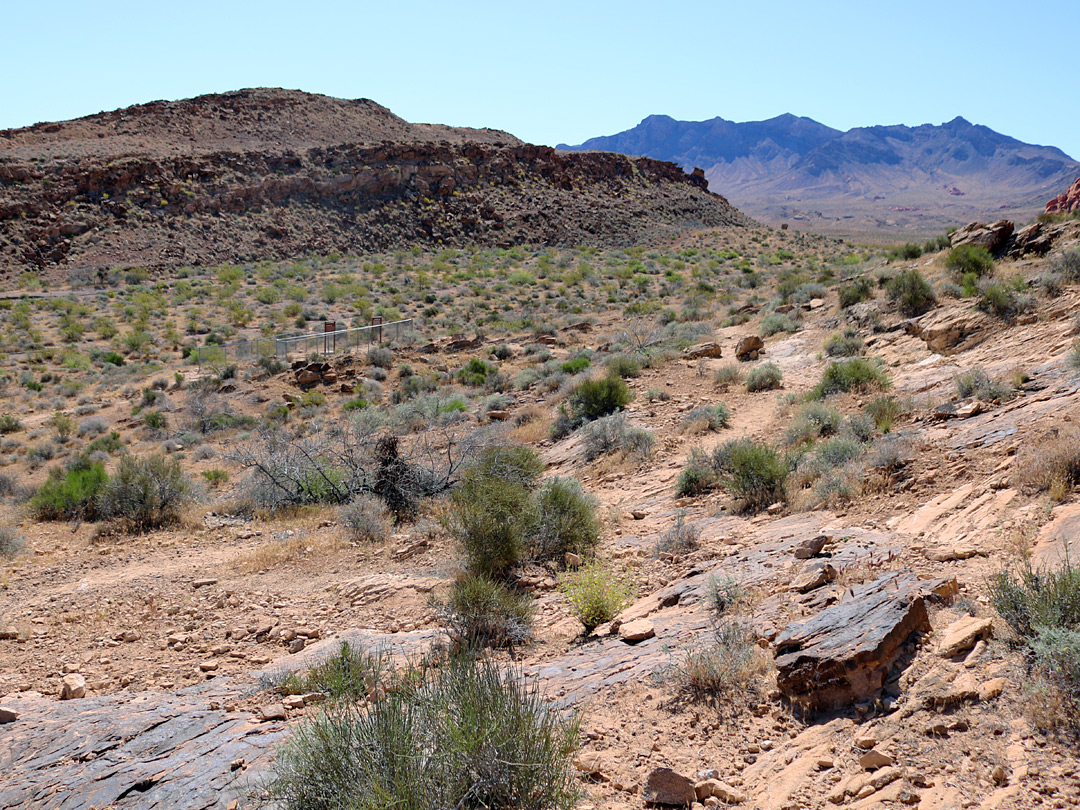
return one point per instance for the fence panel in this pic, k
(340, 341)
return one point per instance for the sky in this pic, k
(564, 71)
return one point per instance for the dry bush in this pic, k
(1052, 463)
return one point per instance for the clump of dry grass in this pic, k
(1052, 463)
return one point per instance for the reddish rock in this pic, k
(701, 350)
(749, 347)
(665, 786)
(1066, 203)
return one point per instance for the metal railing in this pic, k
(339, 341)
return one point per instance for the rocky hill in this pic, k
(887, 180)
(261, 174)
(1066, 202)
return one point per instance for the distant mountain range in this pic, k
(886, 181)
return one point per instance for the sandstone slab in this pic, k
(667, 787)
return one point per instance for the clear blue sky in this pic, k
(551, 72)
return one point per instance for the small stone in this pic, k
(202, 583)
(872, 760)
(999, 776)
(208, 666)
(128, 636)
(810, 547)
(866, 790)
(294, 702)
(74, 687)
(297, 644)
(992, 688)
(273, 711)
(665, 786)
(597, 764)
(637, 630)
(260, 659)
(637, 514)
(9, 633)
(866, 742)
(718, 790)
(8, 715)
(825, 763)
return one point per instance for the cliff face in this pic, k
(158, 207)
(250, 206)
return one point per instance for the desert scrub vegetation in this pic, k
(964, 259)
(481, 612)
(145, 493)
(366, 518)
(502, 516)
(595, 593)
(705, 418)
(727, 376)
(1042, 608)
(465, 733)
(856, 374)
(776, 322)
(1051, 464)
(753, 473)
(911, 293)
(727, 665)
(976, 383)
(590, 400)
(615, 434)
(70, 493)
(844, 344)
(11, 543)
(854, 292)
(349, 673)
(680, 537)
(764, 377)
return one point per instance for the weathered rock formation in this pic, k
(1066, 203)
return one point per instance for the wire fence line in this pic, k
(338, 341)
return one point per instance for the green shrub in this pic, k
(755, 476)
(575, 366)
(884, 411)
(969, 259)
(624, 366)
(764, 377)
(1000, 300)
(106, 444)
(485, 613)
(349, 674)
(565, 520)
(9, 424)
(856, 374)
(145, 493)
(858, 290)
(355, 404)
(475, 373)
(380, 357)
(595, 594)
(911, 292)
(468, 734)
(696, 479)
(491, 512)
(70, 494)
(592, 399)
(215, 477)
(1067, 264)
(844, 344)
(155, 420)
(113, 358)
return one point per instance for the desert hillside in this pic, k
(762, 510)
(271, 174)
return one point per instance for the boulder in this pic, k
(960, 636)
(665, 786)
(844, 653)
(74, 687)
(637, 630)
(1033, 238)
(993, 237)
(701, 350)
(748, 348)
(950, 331)
(810, 547)
(8, 715)
(813, 576)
